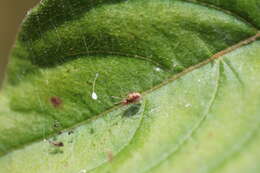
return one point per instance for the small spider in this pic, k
(132, 98)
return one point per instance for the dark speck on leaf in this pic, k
(132, 110)
(56, 151)
(56, 124)
(91, 131)
(115, 124)
(57, 144)
(70, 132)
(56, 101)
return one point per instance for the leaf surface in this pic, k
(196, 64)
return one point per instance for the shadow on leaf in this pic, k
(132, 110)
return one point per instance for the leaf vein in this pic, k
(196, 127)
(237, 149)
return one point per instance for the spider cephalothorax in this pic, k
(132, 98)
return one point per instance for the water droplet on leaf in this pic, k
(94, 96)
(157, 69)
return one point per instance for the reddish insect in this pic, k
(132, 98)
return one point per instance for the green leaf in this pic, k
(196, 64)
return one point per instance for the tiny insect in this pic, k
(132, 98)
(70, 132)
(56, 144)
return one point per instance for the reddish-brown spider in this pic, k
(132, 98)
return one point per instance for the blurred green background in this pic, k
(12, 13)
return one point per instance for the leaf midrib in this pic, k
(197, 126)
